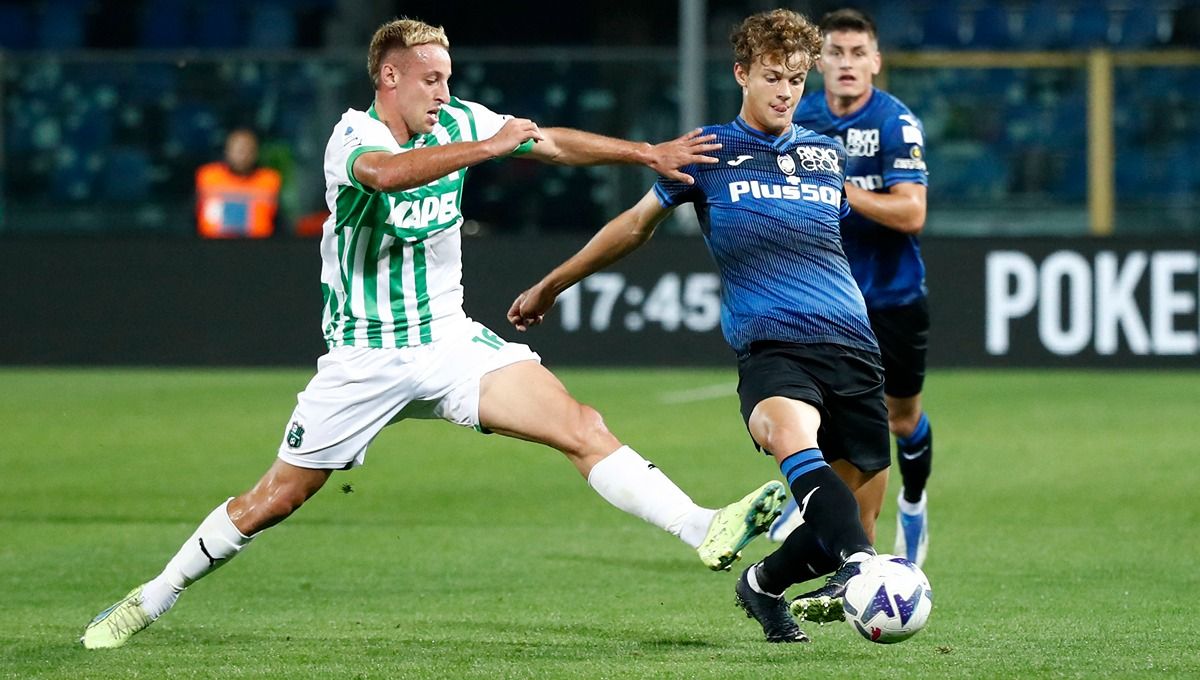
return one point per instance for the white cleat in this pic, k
(912, 529)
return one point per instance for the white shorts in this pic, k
(357, 391)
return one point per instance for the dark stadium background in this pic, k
(1062, 140)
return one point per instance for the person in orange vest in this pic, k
(235, 198)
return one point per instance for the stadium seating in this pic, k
(16, 27)
(943, 24)
(163, 25)
(61, 25)
(1090, 24)
(126, 174)
(994, 134)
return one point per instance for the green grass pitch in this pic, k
(1064, 536)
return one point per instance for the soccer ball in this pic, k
(888, 600)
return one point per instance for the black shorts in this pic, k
(903, 334)
(844, 384)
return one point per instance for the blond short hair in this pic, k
(777, 35)
(398, 34)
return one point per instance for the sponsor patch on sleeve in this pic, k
(912, 135)
(915, 161)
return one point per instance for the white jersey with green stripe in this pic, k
(392, 262)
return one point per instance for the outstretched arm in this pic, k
(902, 208)
(618, 238)
(567, 146)
(390, 172)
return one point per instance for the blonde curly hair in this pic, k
(398, 34)
(779, 35)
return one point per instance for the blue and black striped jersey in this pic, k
(769, 211)
(885, 145)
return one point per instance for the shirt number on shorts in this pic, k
(488, 338)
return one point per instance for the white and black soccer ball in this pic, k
(889, 600)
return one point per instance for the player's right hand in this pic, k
(514, 133)
(667, 158)
(530, 307)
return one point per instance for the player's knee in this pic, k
(903, 424)
(588, 431)
(782, 440)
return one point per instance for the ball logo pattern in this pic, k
(889, 600)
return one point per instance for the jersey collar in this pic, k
(779, 142)
(416, 141)
(857, 114)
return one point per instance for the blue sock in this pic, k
(915, 456)
(801, 462)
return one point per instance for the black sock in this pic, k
(832, 530)
(915, 456)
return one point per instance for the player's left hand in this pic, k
(530, 307)
(668, 157)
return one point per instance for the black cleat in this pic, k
(770, 612)
(824, 605)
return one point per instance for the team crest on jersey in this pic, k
(862, 142)
(786, 164)
(295, 435)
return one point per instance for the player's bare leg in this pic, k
(283, 489)
(220, 537)
(869, 489)
(526, 401)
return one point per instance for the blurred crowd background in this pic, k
(107, 109)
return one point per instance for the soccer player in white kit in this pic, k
(400, 345)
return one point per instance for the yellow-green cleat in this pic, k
(826, 604)
(736, 524)
(114, 626)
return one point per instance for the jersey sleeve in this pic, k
(844, 205)
(356, 133)
(903, 150)
(483, 123)
(672, 193)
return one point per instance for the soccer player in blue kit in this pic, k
(810, 377)
(885, 185)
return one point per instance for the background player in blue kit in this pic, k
(810, 378)
(885, 185)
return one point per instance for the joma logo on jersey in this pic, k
(862, 142)
(423, 212)
(802, 192)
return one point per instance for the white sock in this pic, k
(911, 508)
(638, 487)
(214, 543)
(858, 557)
(752, 579)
